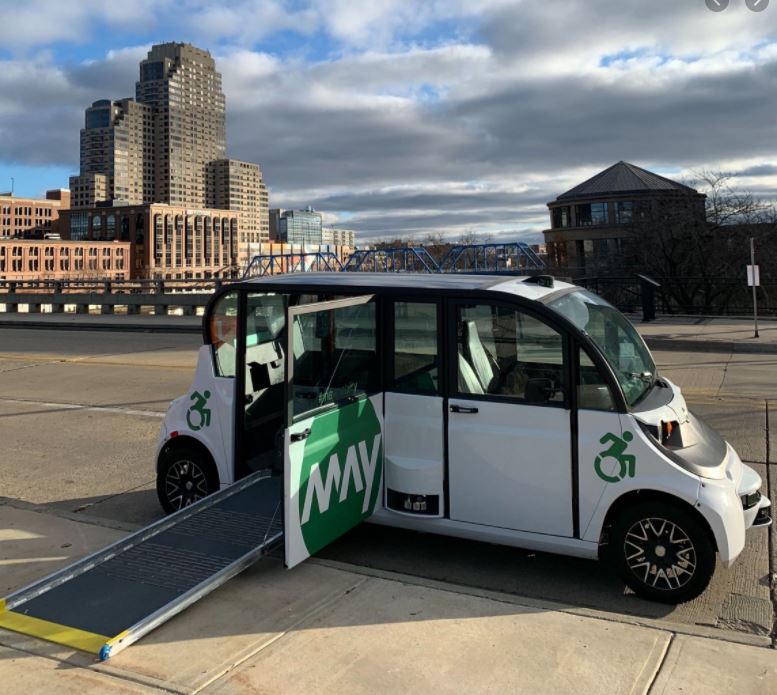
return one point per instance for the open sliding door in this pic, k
(333, 440)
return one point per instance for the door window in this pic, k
(415, 360)
(223, 334)
(506, 353)
(593, 391)
(335, 356)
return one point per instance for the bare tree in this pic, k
(697, 253)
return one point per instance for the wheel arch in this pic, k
(646, 495)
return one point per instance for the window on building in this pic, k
(560, 218)
(624, 211)
(591, 214)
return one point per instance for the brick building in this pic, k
(55, 259)
(168, 242)
(31, 218)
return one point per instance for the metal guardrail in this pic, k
(158, 295)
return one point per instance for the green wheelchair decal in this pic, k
(198, 408)
(617, 451)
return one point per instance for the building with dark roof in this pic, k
(594, 223)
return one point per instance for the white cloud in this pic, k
(398, 124)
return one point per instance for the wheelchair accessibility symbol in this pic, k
(617, 452)
(198, 416)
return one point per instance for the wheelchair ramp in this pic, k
(108, 600)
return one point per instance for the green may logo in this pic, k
(341, 472)
(360, 466)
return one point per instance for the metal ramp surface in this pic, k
(110, 599)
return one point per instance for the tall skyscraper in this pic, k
(180, 84)
(168, 146)
(116, 147)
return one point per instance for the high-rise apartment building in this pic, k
(236, 185)
(116, 143)
(180, 84)
(168, 146)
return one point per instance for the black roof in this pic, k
(456, 281)
(624, 178)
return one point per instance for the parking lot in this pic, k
(80, 411)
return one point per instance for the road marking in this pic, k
(80, 406)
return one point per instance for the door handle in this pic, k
(299, 436)
(463, 409)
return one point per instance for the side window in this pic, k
(335, 356)
(414, 357)
(223, 334)
(508, 353)
(593, 392)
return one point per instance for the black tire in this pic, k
(185, 475)
(663, 552)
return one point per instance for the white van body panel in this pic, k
(216, 437)
(489, 534)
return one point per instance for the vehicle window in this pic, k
(508, 353)
(414, 355)
(617, 339)
(223, 334)
(593, 392)
(335, 356)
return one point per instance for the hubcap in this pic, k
(659, 553)
(185, 483)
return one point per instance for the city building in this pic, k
(236, 185)
(168, 146)
(116, 149)
(166, 241)
(275, 223)
(300, 227)
(594, 223)
(179, 82)
(49, 259)
(32, 217)
(339, 237)
(87, 190)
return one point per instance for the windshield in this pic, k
(617, 339)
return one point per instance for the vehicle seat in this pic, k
(468, 380)
(478, 357)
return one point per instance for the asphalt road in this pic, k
(80, 412)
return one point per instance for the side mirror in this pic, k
(539, 390)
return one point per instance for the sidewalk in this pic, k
(329, 628)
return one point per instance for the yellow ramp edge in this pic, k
(52, 632)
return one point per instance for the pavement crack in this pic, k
(661, 663)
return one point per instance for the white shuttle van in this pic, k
(513, 410)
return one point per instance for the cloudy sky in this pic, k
(400, 117)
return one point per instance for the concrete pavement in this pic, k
(328, 629)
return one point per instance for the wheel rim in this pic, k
(185, 483)
(660, 554)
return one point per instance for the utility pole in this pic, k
(755, 281)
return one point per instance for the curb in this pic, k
(690, 345)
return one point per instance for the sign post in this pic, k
(753, 280)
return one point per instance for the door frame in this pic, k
(570, 371)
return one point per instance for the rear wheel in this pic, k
(663, 552)
(185, 476)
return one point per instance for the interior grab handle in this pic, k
(299, 436)
(463, 409)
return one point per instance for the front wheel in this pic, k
(663, 552)
(185, 476)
